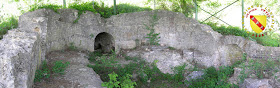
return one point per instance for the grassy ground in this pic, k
(149, 76)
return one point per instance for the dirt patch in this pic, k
(77, 74)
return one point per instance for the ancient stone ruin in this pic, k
(23, 49)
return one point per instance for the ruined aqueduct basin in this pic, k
(23, 49)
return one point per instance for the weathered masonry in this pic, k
(23, 49)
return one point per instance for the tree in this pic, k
(186, 7)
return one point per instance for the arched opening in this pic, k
(104, 42)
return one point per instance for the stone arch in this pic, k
(104, 42)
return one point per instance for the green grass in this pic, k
(7, 24)
(150, 76)
(265, 40)
(46, 70)
(46, 6)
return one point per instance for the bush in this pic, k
(230, 30)
(46, 6)
(124, 82)
(127, 8)
(213, 78)
(59, 67)
(7, 24)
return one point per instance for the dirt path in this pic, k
(77, 74)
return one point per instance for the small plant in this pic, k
(59, 67)
(91, 36)
(72, 46)
(42, 73)
(127, 82)
(7, 24)
(213, 78)
(171, 48)
(124, 82)
(113, 81)
(45, 71)
(152, 36)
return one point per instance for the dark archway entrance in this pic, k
(104, 42)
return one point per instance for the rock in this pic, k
(276, 80)
(235, 78)
(255, 83)
(128, 44)
(188, 55)
(166, 59)
(195, 75)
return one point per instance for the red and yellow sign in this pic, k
(260, 19)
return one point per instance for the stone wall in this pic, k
(23, 49)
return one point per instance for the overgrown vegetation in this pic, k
(46, 70)
(7, 24)
(213, 78)
(72, 46)
(266, 40)
(149, 75)
(152, 36)
(259, 68)
(46, 6)
(125, 82)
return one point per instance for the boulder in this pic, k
(256, 83)
(166, 59)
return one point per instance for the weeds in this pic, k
(124, 82)
(152, 36)
(230, 30)
(46, 6)
(72, 46)
(45, 72)
(213, 78)
(171, 48)
(7, 24)
(59, 67)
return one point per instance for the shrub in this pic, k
(124, 82)
(46, 6)
(59, 67)
(127, 8)
(213, 78)
(7, 24)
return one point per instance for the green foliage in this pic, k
(113, 81)
(7, 24)
(43, 73)
(265, 40)
(171, 48)
(94, 55)
(152, 36)
(213, 78)
(72, 46)
(258, 67)
(126, 82)
(184, 6)
(59, 67)
(127, 8)
(46, 6)
(228, 30)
